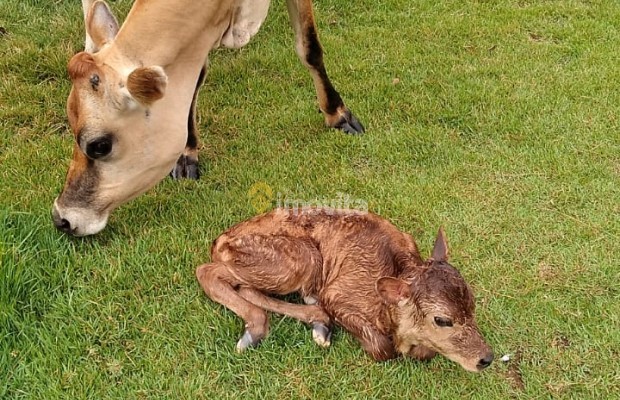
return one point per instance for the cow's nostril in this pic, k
(63, 224)
(486, 361)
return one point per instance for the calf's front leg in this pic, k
(309, 51)
(421, 353)
(379, 346)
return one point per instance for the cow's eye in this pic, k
(443, 322)
(99, 147)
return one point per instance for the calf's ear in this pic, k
(101, 26)
(393, 290)
(440, 250)
(147, 84)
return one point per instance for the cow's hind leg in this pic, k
(187, 164)
(311, 314)
(219, 284)
(309, 50)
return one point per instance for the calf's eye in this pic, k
(443, 322)
(99, 147)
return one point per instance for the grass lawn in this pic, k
(498, 119)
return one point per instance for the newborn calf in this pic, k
(352, 268)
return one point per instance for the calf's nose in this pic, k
(485, 362)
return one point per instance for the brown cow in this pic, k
(132, 104)
(352, 268)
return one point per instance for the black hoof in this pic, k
(186, 168)
(349, 124)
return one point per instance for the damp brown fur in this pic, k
(354, 269)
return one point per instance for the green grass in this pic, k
(502, 126)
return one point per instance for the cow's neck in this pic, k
(190, 30)
(174, 35)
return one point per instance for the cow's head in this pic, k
(123, 144)
(434, 313)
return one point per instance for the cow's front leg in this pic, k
(309, 50)
(187, 164)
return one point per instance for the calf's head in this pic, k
(433, 310)
(121, 147)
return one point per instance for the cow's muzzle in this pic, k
(61, 223)
(78, 221)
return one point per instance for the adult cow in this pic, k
(132, 104)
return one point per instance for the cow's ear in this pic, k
(101, 25)
(147, 84)
(393, 290)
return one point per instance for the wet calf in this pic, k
(351, 268)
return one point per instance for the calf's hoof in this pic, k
(321, 334)
(310, 300)
(186, 168)
(247, 341)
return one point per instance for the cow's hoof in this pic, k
(349, 124)
(186, 168)
(246, 341)
(321, 334)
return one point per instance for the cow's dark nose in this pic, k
(61, 223)
(485, 362)
(64, 225)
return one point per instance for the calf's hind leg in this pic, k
(311, 314)
(309, 50)
(218, 283)
(247, 265)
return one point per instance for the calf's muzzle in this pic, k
(485, 362)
